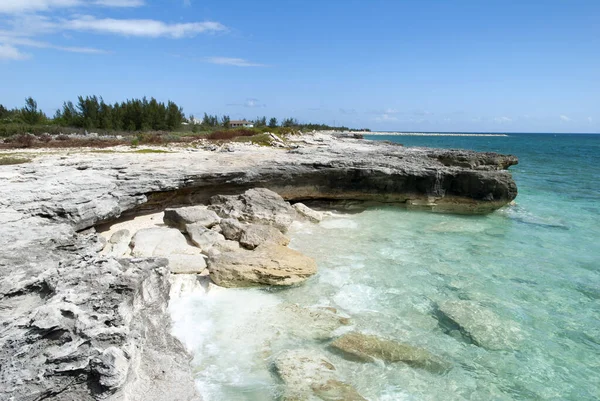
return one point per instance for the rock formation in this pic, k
(269, 264)
(478, 325)
(367, 348)
(78, 324)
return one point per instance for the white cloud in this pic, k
(237, 62)
(120, 3)
(8, 52)
(564, 118)
(12, 41)
(21, 6)
(29, 6)
(502, 119)
(141, 27)
(253, 103)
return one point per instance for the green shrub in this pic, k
(8, 161)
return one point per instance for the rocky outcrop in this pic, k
(478, 325)
(77, 327)
(269, 264)
(308, 376)
(367, 348)
(44, 261)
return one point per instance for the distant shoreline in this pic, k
(426, 134)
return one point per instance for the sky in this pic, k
(420, 65)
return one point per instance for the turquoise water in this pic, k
(535, 265)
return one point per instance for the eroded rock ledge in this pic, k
(77, 325)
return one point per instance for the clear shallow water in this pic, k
(536, 264)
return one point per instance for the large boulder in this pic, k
(268, 264)
(478, 325)
(308, 375)
(368, 348)
(258, 205)
(308, 213)
(254, 235)
(180, 217)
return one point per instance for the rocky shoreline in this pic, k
(80, 323)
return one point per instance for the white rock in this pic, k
(308, 213)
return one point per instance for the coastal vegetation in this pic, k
(134, 121)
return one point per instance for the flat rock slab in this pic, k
(309, 375)
(368, 348)
(479, 325)
(269, 264)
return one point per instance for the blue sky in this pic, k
(422, 65)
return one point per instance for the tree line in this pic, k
(91, 112)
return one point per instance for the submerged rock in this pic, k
(258, 205)
(254, 235)
(309, 375)
(268, 264)
(181, 217)
(479, 325)
(367, 348)
(307, 213)
(313, 322)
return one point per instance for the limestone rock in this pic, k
(258, 205)
(112, 367)
(44, 204)
(268, 264)
(231, 229)
(202, 237)
(180, 217)
(254, 235)
(367, 348)
(309, 375)
(307, 213)
(479, 325)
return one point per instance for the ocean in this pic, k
(535, 265)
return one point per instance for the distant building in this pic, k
(240, 123)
